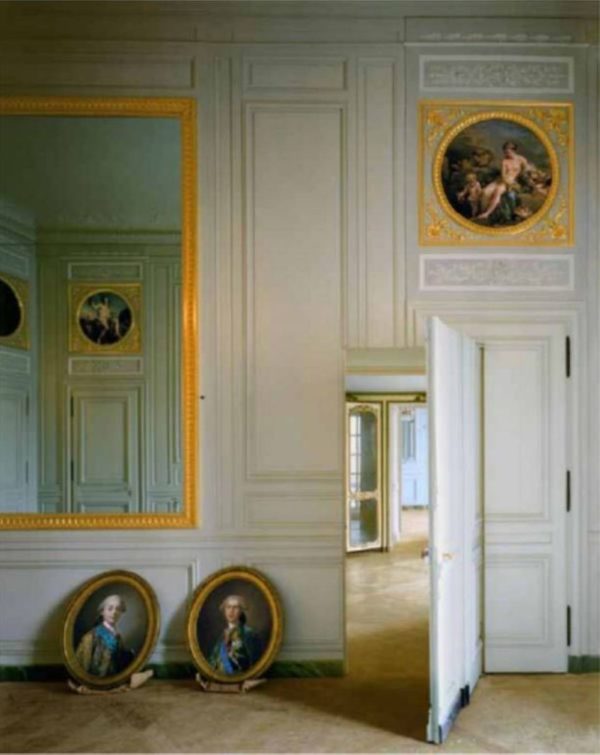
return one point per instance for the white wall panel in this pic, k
(290, 74)
(295, 196)
(593, 640)
(116, 70)
(377, 201)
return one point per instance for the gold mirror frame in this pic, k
(19, 339)
(183, 109)
(471, 120)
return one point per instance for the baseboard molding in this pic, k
(279, 670)
(584, 664)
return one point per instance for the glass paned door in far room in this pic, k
(363, 476)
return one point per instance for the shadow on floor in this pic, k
(387, 686)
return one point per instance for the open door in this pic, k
(455, 524)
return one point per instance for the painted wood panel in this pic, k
(377, 200)
(107, 458)
(295, 194)
(525, 518)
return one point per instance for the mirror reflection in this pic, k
(90, 314)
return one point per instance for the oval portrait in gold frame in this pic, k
(234, 625)
(496, 173)
(110, 629)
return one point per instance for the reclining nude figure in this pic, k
(513, 165)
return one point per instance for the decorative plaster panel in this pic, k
(503, 74)
(113, 271)
(104, 366)
(496, 272)
(478, 30)
(307, 74)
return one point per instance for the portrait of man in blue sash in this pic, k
(239, 647)
(101, 651)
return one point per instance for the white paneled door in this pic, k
(455, 524)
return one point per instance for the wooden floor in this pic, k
(380, 706)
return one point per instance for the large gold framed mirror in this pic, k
(98, 313)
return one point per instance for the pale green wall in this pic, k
(103, 173)
(128, 405)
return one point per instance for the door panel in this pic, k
(106, 447)
(525, 583)
(14, 447)
(454, 647)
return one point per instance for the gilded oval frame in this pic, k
(79, 601)
(471, 120)
(131, 343)
(201, 596)
(19, 338)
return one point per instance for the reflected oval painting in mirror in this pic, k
(10, 310)
(105, 318)
(97, 255)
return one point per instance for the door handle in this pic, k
(447, 556)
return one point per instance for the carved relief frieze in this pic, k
(78, 366)
(85, 271)
(475, 272)
(502, 73)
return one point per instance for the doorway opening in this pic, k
(387, 526)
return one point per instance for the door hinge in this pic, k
(568, 490)
(568, 626)
(27, 406)
(568, 356)
(26, 471)
(72, 470)
(72, 407)
(465, 696)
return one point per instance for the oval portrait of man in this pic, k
(110, 629)
(234, 626)
(496, 173)
(11, 315)
(105, 318)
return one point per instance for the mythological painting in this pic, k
(105, 319)
(496, 176)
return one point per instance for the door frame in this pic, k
(384, 399)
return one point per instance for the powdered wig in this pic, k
(237, 598)
(112, 597)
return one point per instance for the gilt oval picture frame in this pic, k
(13, 312)
(496, 173)
(234, 625)
(110, 629)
